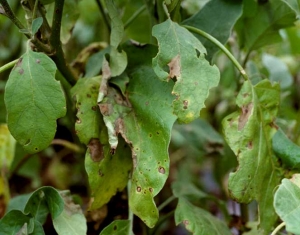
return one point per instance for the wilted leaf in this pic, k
(71, 221)
(216, 18)
(286, 203)
(117, 227)
(248, 133)
(179, 50)
(85, 92)
(260, 26)
(278, 71)
(197, 220)
(286, 150)
(34, 100)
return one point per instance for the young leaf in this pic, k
(179, 49)
(71, 221)
(286, 150)
(287, 201)
(34, 100)
(197, 220)
(211, 20)
(36, 24)
(248, 133)
(117, 227)
(254, 34)
(13, 222)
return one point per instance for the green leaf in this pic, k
(117, 227)
(34, 100)
(248, 133)
(70, 16)
(45, 2)
(178, 49)
(52, 198)
(182, 188)
(13, 222)
(118, 60)
(7, 148)
(286, 150)
(211, 20)
(38, 228)
(71, 221)
(278, 71)
(197, 220)
(107, 173)
(85, 92)
(295, 5)
(36, 24)
(286, 203)
(260, 27)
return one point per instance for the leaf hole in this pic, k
(78, 121)
(185, 104)
(138, 189)
(161, 170)
(150, 190)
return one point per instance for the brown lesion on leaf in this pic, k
(106, 109)
(250, 145)
(185, 104)
(96, 150)
(246, 112)
(19, 63)
(175, 68)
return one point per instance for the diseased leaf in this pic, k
(85, 92)
(198, 221)
(34, 100)
(287, 151)
(117, 227)
(278, 71)
(216, 18)
(248, 133)
(13, 222)
(286, 203)
(260, 26)
(179, 50)
(71, 221)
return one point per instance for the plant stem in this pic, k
(130, 214)
(104, 15)
(58, 56)
(9, 13)
(280, 226)
(166, 202)
(221, 46)
(8, 65)
(134, 16)
(35, 9)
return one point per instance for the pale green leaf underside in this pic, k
(248, 133)
(198, 221)
(295, 5)
(179, 50)
(117, 227)
(34, 100)
(287, 205)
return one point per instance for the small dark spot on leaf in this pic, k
(145, 192)
(150, 190)
(157, 132)
(161, 170)
(139, 189)
(19, 63)
(21, 71)
(38, 61)
(36, 149)
(158, 163)
(185, 222)
(115, 227)
(94, 108)
(88, 95)
(250, 145)
(141, 172)
(245, 95)
(150, 135)
(196, 83)
(147, 103)
(112, 151)
(57, 10)
(96, 150)
(185, 104)
(100, 173)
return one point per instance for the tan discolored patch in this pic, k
(96, 150)
(174, 66)
(246, 112)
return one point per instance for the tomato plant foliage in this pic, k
(147, 117)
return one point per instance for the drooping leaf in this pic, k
(85, 92)
(118, 60)
(12, 222)
(52, 198)
(145, 124)
(117, 227)
(197, 220)
(248, 133)
(295, 5)
(287, 151)
(34, 100)
(179, 49)
(260, 25)
(71, 221)
(217, 18)
(287, 201)
(278, 71)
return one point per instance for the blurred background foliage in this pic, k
(200, 158)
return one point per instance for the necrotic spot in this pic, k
(161, 170)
